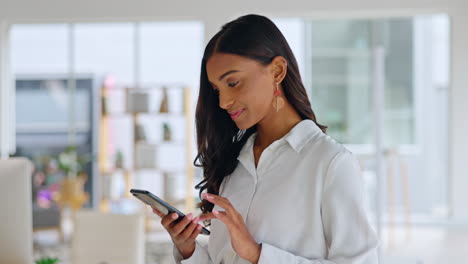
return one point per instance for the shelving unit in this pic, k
(136, 111)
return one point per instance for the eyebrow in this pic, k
(226, 73)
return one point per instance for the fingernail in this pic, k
(216, 212)
(199, 227)
(174, 216)
(195, 220)
(190, 216)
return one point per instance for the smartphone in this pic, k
(164, 207)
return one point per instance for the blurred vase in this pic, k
(167, 132)
(164, 107)
(72, 192)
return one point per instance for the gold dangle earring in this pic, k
(279, 102)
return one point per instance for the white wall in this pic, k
(6, 116)
(458, 140)
(214, 13)
(147, 9)
(2, 92)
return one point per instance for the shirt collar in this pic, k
(297, 137)
(246, 155)
(301, 133)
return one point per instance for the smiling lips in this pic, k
(236, 114)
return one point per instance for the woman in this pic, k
(280, 190)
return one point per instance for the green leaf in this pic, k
(47, 261)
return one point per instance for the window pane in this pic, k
(42, 104)
(341, 93)
(399, 87)
(106, 49)
(341, 78)
(171, 52)
(39, 48)
(415, 115)
(293, 31)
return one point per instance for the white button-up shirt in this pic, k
(304, 203)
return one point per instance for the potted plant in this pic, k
(72, 165)
(47, 261)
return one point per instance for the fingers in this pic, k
(185, 229)
(196, 232)
(169, 219)
(179, 227)
(209, 216)
(222, 216)
(190, 230)
(206, 216)
(220, 201)
(156, 211)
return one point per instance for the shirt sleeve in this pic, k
(349, 236)
(200, 255)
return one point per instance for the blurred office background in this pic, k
(116, 86)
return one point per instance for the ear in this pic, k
(279, 68)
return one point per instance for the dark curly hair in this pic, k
(218, 138)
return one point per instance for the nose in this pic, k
(225, 102)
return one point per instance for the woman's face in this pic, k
(245, 87)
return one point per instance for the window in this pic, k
(127, 54)
(340, 64)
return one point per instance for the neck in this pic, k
(275, 125)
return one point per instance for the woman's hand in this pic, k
(241, 239)
(183, 233)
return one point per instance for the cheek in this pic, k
(260, 99)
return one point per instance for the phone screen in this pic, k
(156, 202)
(153, 203)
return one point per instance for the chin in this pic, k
(244, 125)
(244, 122)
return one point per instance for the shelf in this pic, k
(161, 114)
(149, 86)
(151, 155)
(130, 114)
(52, 127)
(162, 143)
(112, 171)
(180, 170)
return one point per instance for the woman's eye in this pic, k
(233, 84)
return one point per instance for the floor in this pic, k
(158, 247)
(400, 245)
(425, 245)
(158, 251)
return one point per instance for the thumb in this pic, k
(206, 216)
(156, 211)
